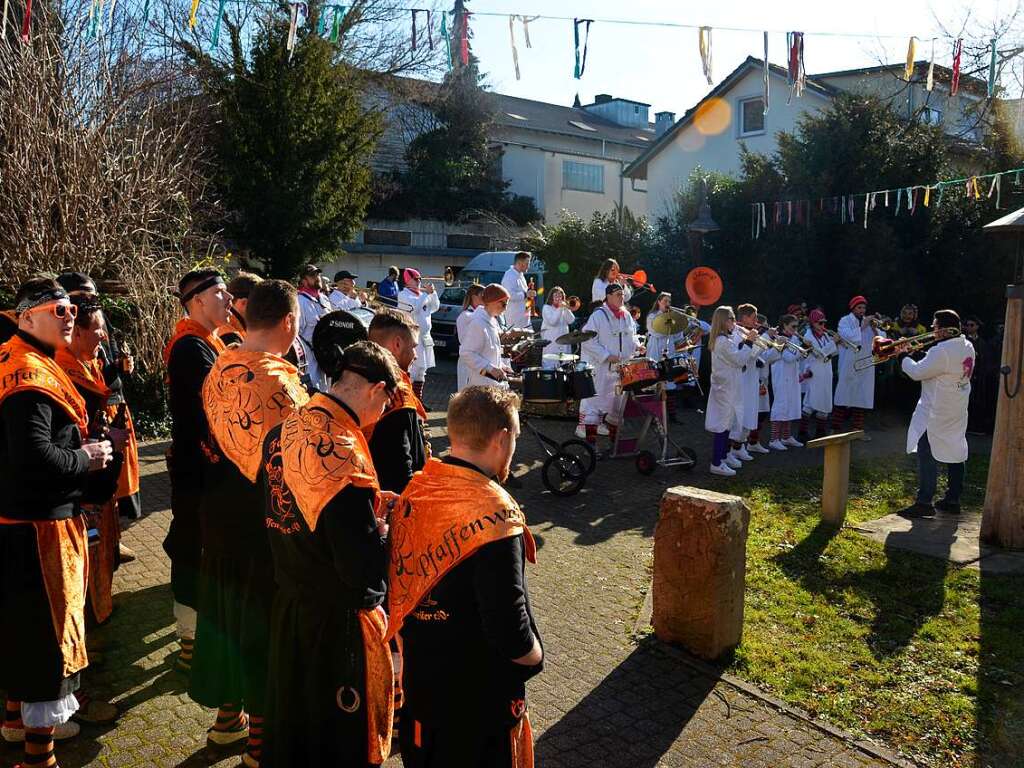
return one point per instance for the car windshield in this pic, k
(453, 295)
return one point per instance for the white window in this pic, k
(931, 116)
(585, 177)
(751, 116)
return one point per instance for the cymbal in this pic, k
(561, 357)
(669, 323)
(575, 337)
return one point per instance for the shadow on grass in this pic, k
(632, 717)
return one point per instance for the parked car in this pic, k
(487, 267)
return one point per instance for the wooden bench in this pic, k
(835, 489)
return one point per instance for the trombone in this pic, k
(886, 349)
(373, 301)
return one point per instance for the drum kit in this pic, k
(570, 379)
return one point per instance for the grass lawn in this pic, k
(907, 650)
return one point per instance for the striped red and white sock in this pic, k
(776, 430)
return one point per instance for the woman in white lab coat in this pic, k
(469, 303)
(818, 398)
(786, 388)
(556, 317)
(609, 273)
(424, 303)
(855, 392)
(481, 350)
(730, 350)
(938, 428)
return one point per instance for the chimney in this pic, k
(601, 98)
(663, 121)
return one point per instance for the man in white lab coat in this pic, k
(750, 384)
(424, 303)
(520, 295)
(312, 306)
(616, 342)
(480, 344)
(344, 295)
(855, 392)
(938, 428)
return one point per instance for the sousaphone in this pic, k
(703, 286)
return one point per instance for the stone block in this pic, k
(700, 546)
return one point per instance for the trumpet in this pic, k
(818, 354)
(574, 303)
(884, 349)
(841, 341)
(795, 347)
(882, 322)
(761, 342)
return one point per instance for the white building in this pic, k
(710, 134)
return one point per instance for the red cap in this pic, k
(816, 316)
(793, 309)
(410, 274)
(857, 300)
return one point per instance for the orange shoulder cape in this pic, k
(188, 327)
(446, 513)
(403, 399)
(23, 367)
(233, 327)
(245, 395)
(323, 451)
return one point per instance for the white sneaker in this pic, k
(733, 462)
(776, 445)
(581, 431)
(62, 732)
(602, 429)
(722, 469)
(792, 442)
(756, 448)
(742, 454)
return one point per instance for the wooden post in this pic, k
(1002, 521)
(835, 488)
(700, 557)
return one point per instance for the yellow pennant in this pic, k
(192, 16)
(927, 195)
(911, 55)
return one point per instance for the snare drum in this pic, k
(581, 382)
(541, 385)
(677, 370)
(638, 373)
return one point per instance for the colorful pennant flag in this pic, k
(581, 61)
(704, 44)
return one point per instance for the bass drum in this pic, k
(581, 382)
(541, 385)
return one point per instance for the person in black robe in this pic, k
(397, 441)
(189, 356)
(330, 563)
(46, 472)
(981, 410)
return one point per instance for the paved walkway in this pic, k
(603, 699)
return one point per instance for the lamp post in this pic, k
(702, 225)
(1002, 521)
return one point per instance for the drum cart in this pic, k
(648, 406)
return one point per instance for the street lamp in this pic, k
(702, 225)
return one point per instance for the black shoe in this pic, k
(948, 506)
(917, 510)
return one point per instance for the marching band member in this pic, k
(388, 287)
(616, 341)
(557, 317)
(189, 356)
(424, 302)
(609, 275)
(344, 295)
(786, 388)
(312, 306)
(330, 692)
(472, 603)
(764, 403)
(938, 428)
(469, 305)
(817, 373)
(731, 349)
(240, 287)
(398, 445)
(520, 294)
(249, 391)
(660, 345)
(746, 423)
(481, 350)
(855, 392)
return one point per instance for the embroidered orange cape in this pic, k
(446, 513)
(323, 451)
(89, 376)
(404, 398)
(188, 327)
(62, 544)
(245, 395)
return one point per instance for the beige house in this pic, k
(710, 134)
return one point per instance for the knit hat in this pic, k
(816, 316)
(494, 292)
(793, 309)
(857, 300)
(410, 274)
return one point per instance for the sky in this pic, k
(662, 66)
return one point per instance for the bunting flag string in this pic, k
(26, 23)
(992, 71)
(3, 24)
(339, 16)
(796, 75)
(958, 49)
(704, 45)
(844, 207)
(215, 37)
(581, 62)
(462, 22)
(447, 39)
(930, 82)
(908, 70)
(192, 17)
(765, 73)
